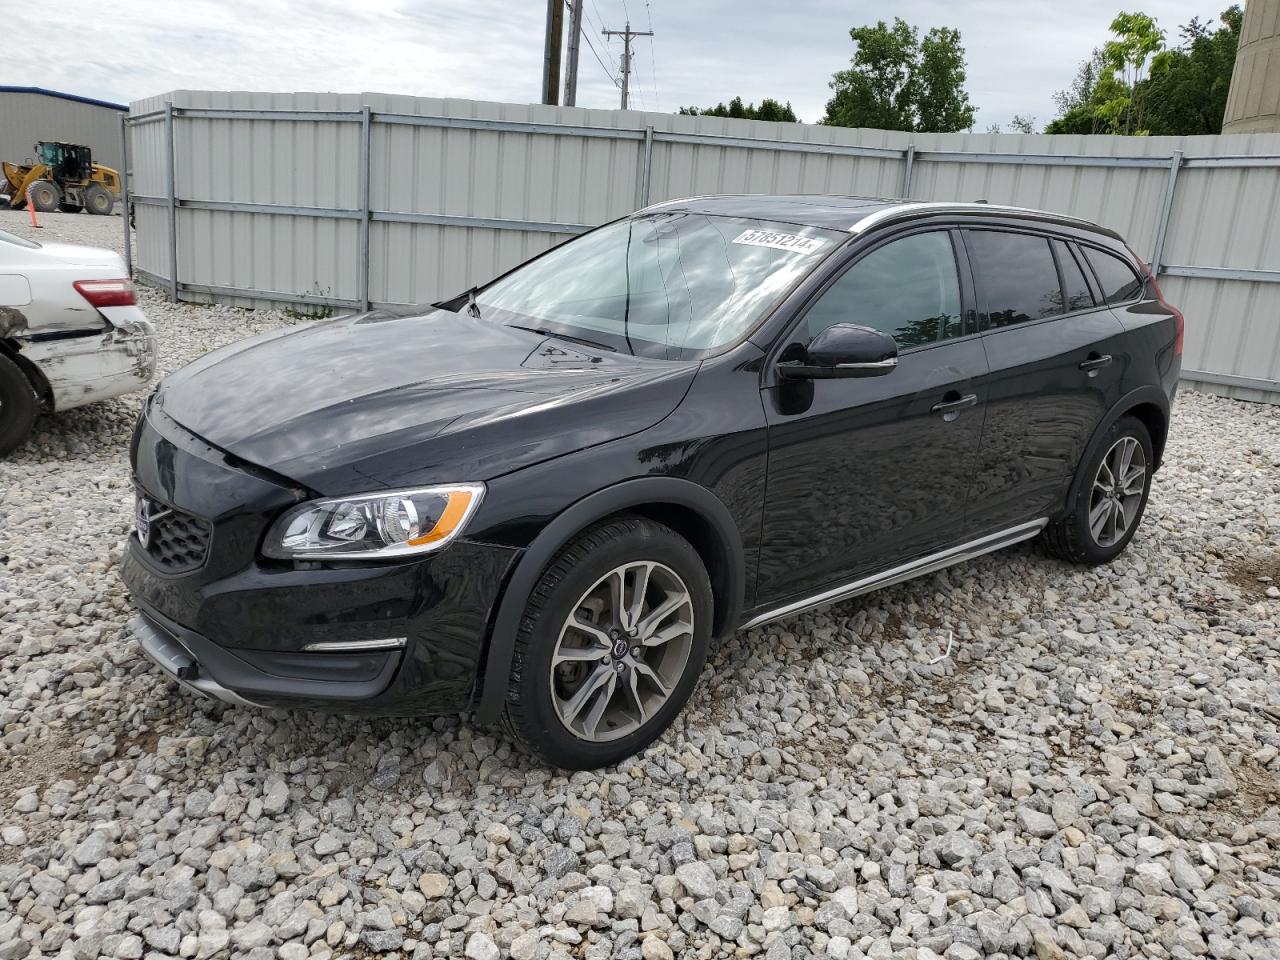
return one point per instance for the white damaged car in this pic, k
(71, 332)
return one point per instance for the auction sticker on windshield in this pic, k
(792, 243)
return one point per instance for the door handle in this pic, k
(1096, 362)
(950, 409)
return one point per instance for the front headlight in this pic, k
(374, 526)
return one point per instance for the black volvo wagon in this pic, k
(541, 502)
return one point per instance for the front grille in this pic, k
(176, 541)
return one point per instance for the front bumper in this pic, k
(230, 624)
(207, 669)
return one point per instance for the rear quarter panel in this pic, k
(1150, 333)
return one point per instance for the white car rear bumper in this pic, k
(95, 365)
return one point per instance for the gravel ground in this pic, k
(1093, 772)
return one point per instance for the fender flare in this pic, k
(596, 506)
(1146, 394)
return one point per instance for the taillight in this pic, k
(107, 293)
(1179, 322)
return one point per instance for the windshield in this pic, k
(672, 285)
(18, 241)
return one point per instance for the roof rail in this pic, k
(904, 211)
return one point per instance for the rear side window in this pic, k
(1016, 276)
(1117, 279)
(1075, 288)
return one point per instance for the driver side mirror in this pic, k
(844, 350)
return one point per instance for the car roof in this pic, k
(854, 214)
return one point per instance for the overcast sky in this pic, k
(1019, 51)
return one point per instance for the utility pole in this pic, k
(551, 52)
(575, 39)
(627, 36)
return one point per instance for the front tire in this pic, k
(19, 405)
(1112, 487)
(610, 646)
(46, 195)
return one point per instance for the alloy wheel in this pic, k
(622, 651)
(1117, 492)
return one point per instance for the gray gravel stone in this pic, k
(697, 878)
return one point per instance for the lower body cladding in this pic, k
(391, 640)
(400, 638)
(85, 366)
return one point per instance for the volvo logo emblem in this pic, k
(145, 518)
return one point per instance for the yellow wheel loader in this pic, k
(64, 177)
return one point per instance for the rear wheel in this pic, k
(1112, 487)
(610, 646)
(18, 406)
(99, 200)
(46, 195)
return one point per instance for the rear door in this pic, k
(1055, 354)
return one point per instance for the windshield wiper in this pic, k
(471, 303)
(543, 331)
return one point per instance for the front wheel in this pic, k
(45, 195)
(610, 646)
(1111, 496)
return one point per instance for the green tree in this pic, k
(896, 81)
(1019, 124)
(1076, 104)
(1137, 39)
(1186, 93)
(769, 109)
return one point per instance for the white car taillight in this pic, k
(107, 293)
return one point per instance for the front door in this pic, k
(867, 473)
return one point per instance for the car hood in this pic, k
(383, 399)
(83, 256)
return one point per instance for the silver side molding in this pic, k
(907, 571)
(355, 646)
(873, 365)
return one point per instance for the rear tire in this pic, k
(46, 195)
(98, 200)
(1112, 486)
(19, 405)
(591, 686)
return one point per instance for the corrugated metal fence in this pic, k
(347, 200)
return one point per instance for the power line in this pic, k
(607, 68)
(653, 59)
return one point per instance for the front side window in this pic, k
(1016, 276)
(907, 288)
(1118, 281)
(670, 285)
